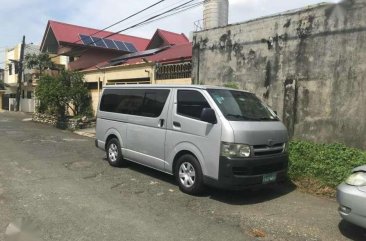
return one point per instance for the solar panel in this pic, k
(110, 44)
(149, 52)
(130, 47)
(99, 42)
(87, 40)
(121, 46)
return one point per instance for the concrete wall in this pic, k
(27, 105)
(95, 96)
(185, 81)
(309, 65)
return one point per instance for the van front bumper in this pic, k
(242, 173)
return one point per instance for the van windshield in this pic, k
(241, 106)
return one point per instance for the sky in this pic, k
(29, 18)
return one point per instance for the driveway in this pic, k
(55, 185)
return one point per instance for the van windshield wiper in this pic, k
(241, 117)
(251, 118)
(268, 119)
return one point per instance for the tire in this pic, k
(188, 173)
(114, 154)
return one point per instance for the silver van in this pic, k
(200, 134)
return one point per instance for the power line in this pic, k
(182, 10)
(131, 16)
(149, 19)
(161, 9)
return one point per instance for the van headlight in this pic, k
(235, 150)
(285, 147)
(357, 179)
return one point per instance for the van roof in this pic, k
(153, 86)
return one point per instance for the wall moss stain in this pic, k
(227, 75)
(239, 55)
(226, 45)
(305, 27)
(287, 24)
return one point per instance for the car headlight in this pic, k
(235, 150)
(357, 179)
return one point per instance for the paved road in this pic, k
(55, 185)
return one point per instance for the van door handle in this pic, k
(161, 122)
(176, 124)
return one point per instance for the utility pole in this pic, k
(20, 73)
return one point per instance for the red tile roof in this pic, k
(172, 54)
(176, 53)
(69, 33)
(169, 38)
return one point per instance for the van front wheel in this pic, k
(189, 176)
(114, 154)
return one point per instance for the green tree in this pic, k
(66, 91)
(40, 61)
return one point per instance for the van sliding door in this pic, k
(146, 129)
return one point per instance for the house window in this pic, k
(23, 94)
(10, 69)
(29, 94)
(16, 68)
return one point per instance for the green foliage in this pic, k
(329, 164)
(232, 85)
(41, 62)
(65, 91)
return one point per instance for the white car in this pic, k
(351, 196)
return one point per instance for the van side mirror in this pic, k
(208, 115)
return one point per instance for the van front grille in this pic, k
(258, 170)
(263, 150)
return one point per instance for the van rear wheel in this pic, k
(188, 174)
(114, 153)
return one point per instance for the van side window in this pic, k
(149, 103)
(154, 101)
(191, 103)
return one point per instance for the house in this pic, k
(108, 58)
(28, 79)
(85, 47)
(2, 88)
(2, 75)
(12, 57)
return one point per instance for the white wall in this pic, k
(26, 105)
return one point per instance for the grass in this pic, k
(319, 168)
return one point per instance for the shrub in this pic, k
(330, 164)
(68, 90)
(232, 85)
